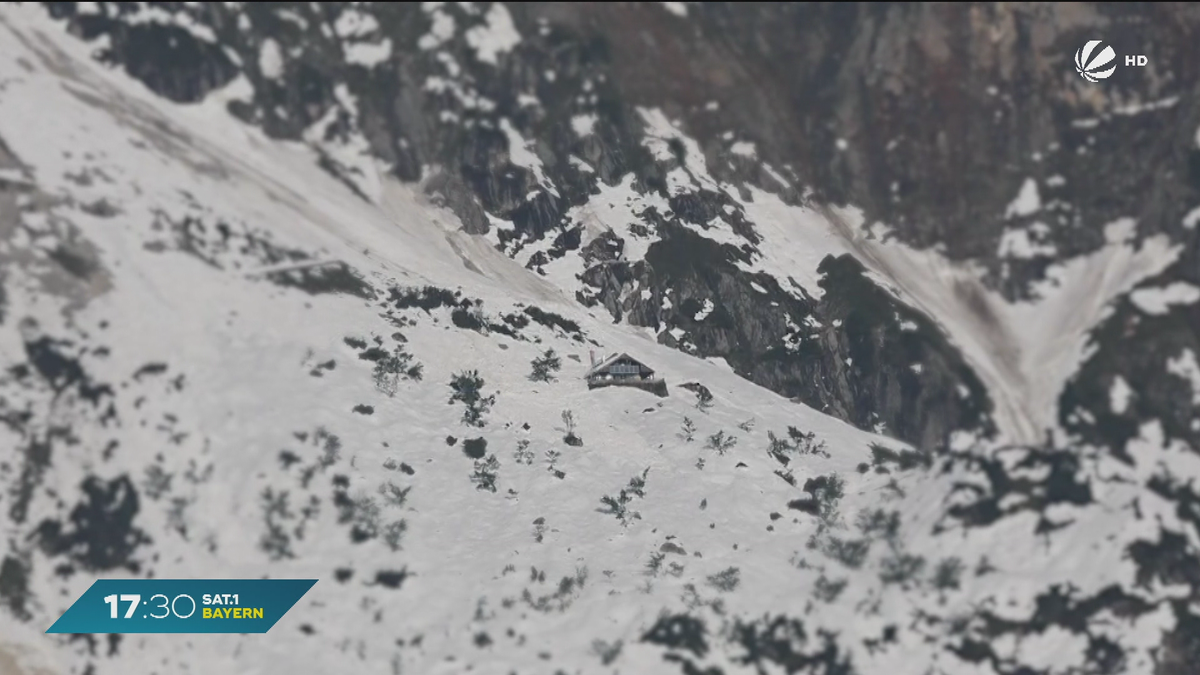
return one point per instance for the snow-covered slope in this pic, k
(192, 319)
(211, 372)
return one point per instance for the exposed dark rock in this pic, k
(390, 578)
(150, 369)
(1085, 406)
(331, 278)
(853, 362)
(475, 448)
(14, 587)
(783, 641)
(450, 191)
(169, 59)
(100, 534)
(1037, 479)
(679, 631)
(51, 360)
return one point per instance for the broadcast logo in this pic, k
(1094, 65)
(1097, 61)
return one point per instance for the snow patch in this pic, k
(1027, 201)
(1150, 106)
(676, 8)
(705, 310)
(583, 125)
(659, 134)
(1186, 367)
(1024, 243)
(1158, 301)
(149, 14)
(352, 23)
(1120, 231)
(441, 30)
(368, 54)
(520, 154)
(744, 149)
(1119, 395)
(795, 239)
(452, 67)
(617, 209)
(270, 59)
(287, 15)
(1192, 217)
(498, 35)
(770, 171)
(580, 164)
(469, 98)
(350, 151)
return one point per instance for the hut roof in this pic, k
(613, 359)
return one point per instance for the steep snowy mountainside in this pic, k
(187, 399)
(522, 122)
(989, 184)
(231, 349)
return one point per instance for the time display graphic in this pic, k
(182, 606)
(167, 606)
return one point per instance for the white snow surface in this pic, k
(583, 125)
(1119, 395)
(1027, 201)
(270, 59)
(441, 27)
(369, 53)
(521, 154)
(744, 149)
(246, 349)
(676, 8)
(1192, 217)
(1159, 300)
(496, 36)
(352, 23)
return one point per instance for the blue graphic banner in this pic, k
(182, 606)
